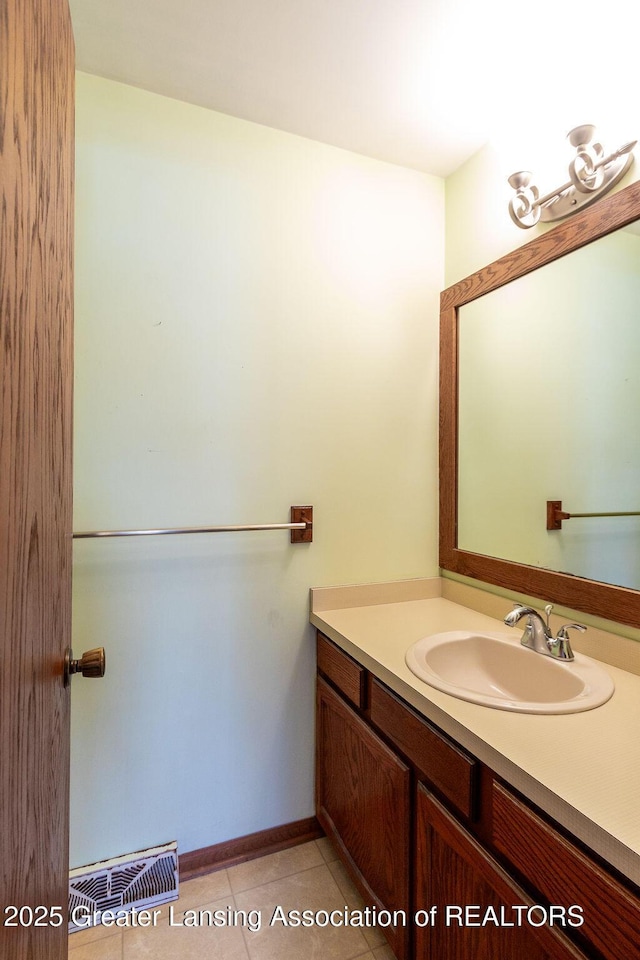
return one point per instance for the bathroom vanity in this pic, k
(502, 834)
(485, 833)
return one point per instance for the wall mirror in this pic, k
(539, 402)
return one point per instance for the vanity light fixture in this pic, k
(591, 174)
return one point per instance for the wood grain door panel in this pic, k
(363, 803)
(454, 873)
(36, 291)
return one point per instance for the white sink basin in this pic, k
(495, 670)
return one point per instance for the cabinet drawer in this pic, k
(564, 875)
(451, 771)
(343, 672)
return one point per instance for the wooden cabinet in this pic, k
(421, 825)
(480, 911)
(554, 864)
(363, 804)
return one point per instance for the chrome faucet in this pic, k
(537, 632)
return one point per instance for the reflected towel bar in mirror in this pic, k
(555, 514)
(301, 527)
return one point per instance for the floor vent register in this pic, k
(137, 881)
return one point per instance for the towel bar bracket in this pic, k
(302, 515)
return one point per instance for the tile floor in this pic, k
(307, 877)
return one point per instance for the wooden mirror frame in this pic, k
(620, 604)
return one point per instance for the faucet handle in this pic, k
(563, 631)
(561, 645)
(547, 610)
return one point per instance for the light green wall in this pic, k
(256, 326)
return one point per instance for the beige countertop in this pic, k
(582, 768)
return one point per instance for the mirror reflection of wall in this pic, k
(549, 394)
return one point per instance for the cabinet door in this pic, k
(453, 873)
(363, 804)
(550, 863)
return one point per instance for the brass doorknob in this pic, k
(92, 663)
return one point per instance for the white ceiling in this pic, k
(422, 83)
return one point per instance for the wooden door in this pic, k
(36, 224)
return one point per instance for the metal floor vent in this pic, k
(141, 880)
